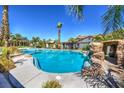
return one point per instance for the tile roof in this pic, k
(83, 37)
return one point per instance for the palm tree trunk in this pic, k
(59, 44)
(5, 25)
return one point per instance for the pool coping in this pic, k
(69, 80)
(59, 73)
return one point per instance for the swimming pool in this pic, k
(57, 61)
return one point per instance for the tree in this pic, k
(76, 11)
(18, 40)
(0, 34)
(12, 40)
(73, 40)
(18, 36)
(44, 41)
(35, 41)
(56, 43)
(41, 44)
(112, 18)
(59, 26)
(1, 38)
(98, 38)
(5, 26)
(119, 34)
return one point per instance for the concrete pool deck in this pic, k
(31, 77)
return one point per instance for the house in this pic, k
(81, 42)
(50, 44)
(68, 45)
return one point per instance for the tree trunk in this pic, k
(59, 44)
(5, 26)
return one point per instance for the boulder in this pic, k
(120, 58)
(99, 55)
(95, 60)
(99, 58)
(96, 47)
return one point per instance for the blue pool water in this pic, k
(57, 61)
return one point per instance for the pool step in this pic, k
(36, 63)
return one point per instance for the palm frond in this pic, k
(113, 18)
(75, 10)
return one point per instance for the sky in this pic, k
(42, 20)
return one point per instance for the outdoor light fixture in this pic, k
(58, 77)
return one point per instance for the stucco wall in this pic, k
(83, 43)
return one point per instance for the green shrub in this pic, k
(119, 34)
(52, 84)
(13, 50)
(6, 51)
(6, 62)
(1, 43)
(98, 38)
(87, 47)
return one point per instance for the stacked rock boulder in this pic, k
(99, 57)
(98, 54)
(120, 52)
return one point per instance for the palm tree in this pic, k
(24, 41)
(18, 38)
(112, 18)
(56, 43)
(44, 41)
(1, 38)
(76, 11)
(73, 41)
(12, 38)
(35, 41)
(59, 26)
(5, 26)
(0, 34)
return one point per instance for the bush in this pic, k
(119, 34)
(13, 50)
(10, 50)
(1, 43)
(87, 47)
(98, 38)
(52, 84)
(6, 62)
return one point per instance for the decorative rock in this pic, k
(120, 58)
(96, 47)
(99, 55)
(99, 58)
